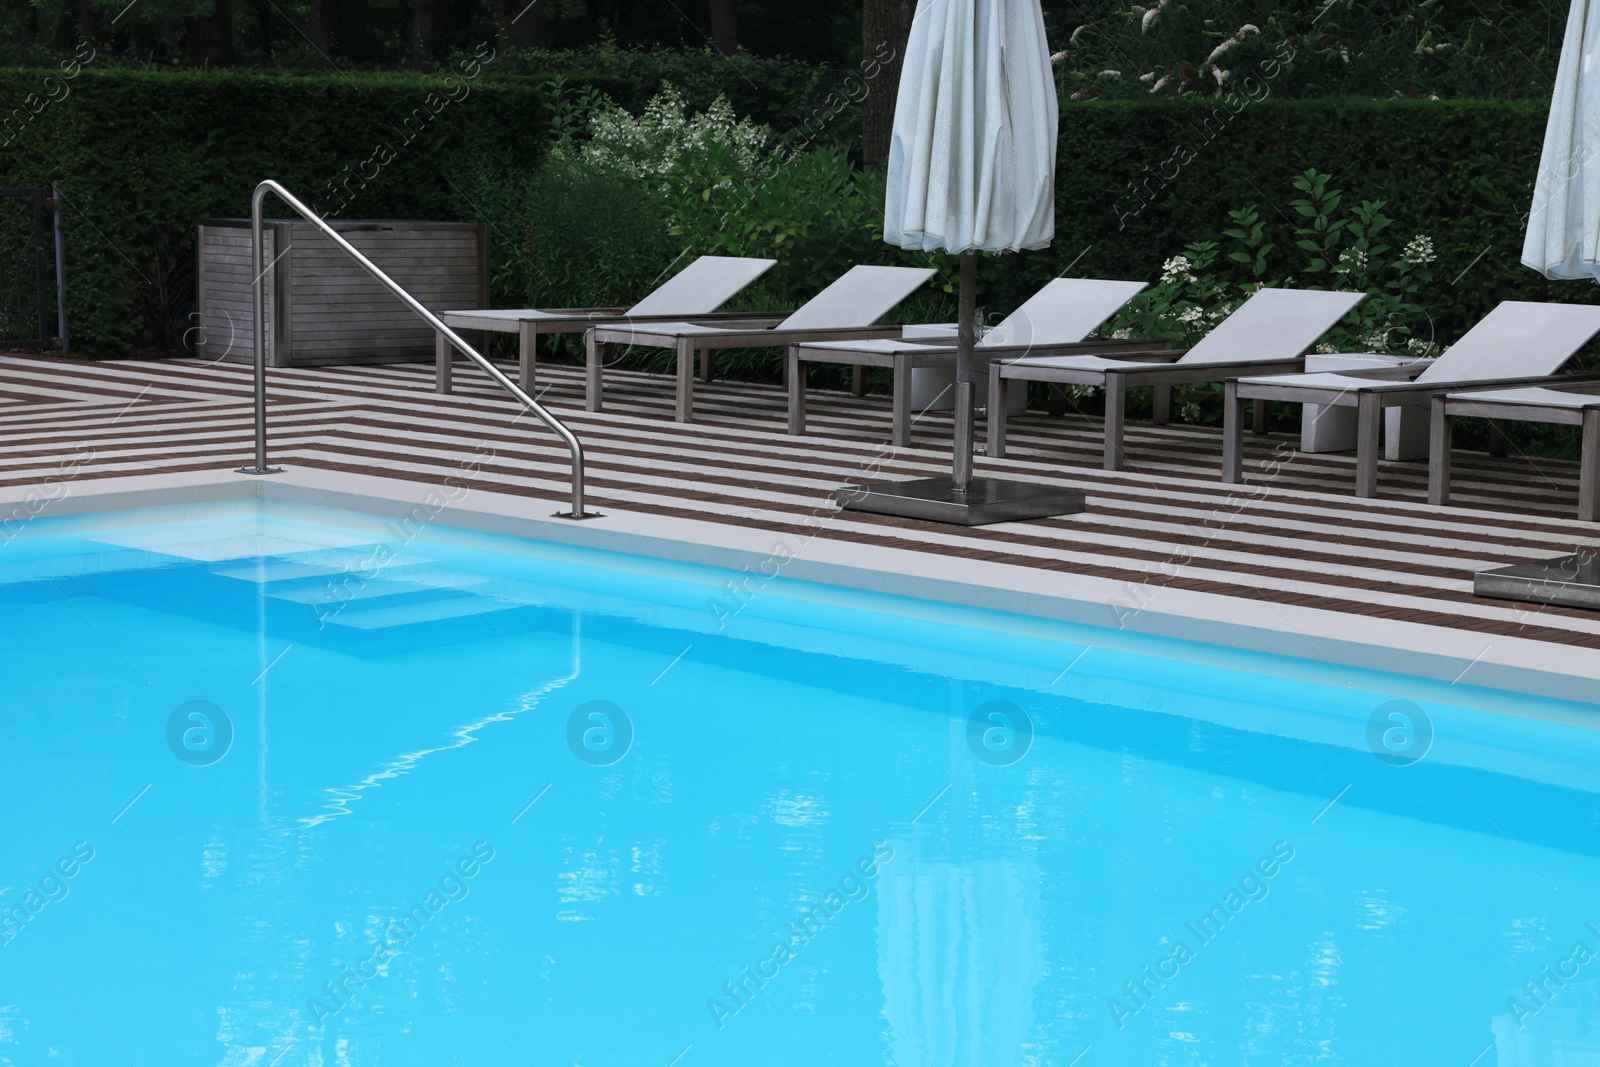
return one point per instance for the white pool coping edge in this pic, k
(1519, 665)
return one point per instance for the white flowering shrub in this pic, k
(724, 187)
(1190, 297)
(656, 141)
(678, 154)
(1335, 249)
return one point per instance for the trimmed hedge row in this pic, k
(143, 155)
(1139, 179)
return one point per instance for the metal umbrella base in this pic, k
(986, 500)
(1569, 581)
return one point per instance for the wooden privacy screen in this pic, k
(322, 308)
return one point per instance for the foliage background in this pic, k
(142, 156)
(1174, 115)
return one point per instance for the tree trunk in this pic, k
(211, 38)
(321, 28)
(264, 25)
(424, 25)
(84, 15)
(521, 23)
(725, 26)
(885, 25)
(88, 26)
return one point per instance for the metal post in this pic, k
(61, 269)
(258, 268)
(966, 338)
(574, 447)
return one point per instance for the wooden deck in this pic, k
(1295, 537)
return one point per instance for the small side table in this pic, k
(1333, 429)
(933, 388)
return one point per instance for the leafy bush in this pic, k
(1202, 285)
(618, 206)
(143, 156)
(570, 236)
(1138, 180)
(1375, 48)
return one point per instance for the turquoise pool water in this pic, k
(287, 787)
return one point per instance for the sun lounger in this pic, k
(695, 292)
(1518, 343)
(1057, 317)
(1579, 406)
(1271, 331)
(848, 309)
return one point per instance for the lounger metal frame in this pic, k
(1584, 412)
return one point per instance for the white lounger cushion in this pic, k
(860, 297)
(1332, 381)
(685, 329)
(1084, 363)
(1533, 396)
(703, 286)
(884, 346)
(1274, 324)
(1520, 338)
(1065, 311)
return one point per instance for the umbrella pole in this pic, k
(960, 498)
(966, 338)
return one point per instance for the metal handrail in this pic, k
(260, 349)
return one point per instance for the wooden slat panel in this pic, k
(334, 308)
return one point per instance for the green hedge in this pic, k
(143, 155)
(1139, 179)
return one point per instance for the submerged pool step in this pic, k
(332, 588)
(344, 588)
(323, 565)
(435, 608)
(438, 595)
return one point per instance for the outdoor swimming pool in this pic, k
(288, 787)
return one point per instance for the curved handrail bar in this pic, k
(257, 199)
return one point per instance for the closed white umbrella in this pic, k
(1563, 238)
(972, 162)
(972, 167)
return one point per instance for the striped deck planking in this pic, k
(1298, 537)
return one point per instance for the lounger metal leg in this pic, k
(442, 353)
(1258, 415)
(1589, 471)
(685, 406)
(1232, 433)
(1369, 420)
(595, 357)
(900, 429)
(527, 354)
(1439, 430)
(795, 372)
(1499, 443)
(858, 380)
(707, 361)
(999, 397)
(1161, 404)
(1116, 412)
